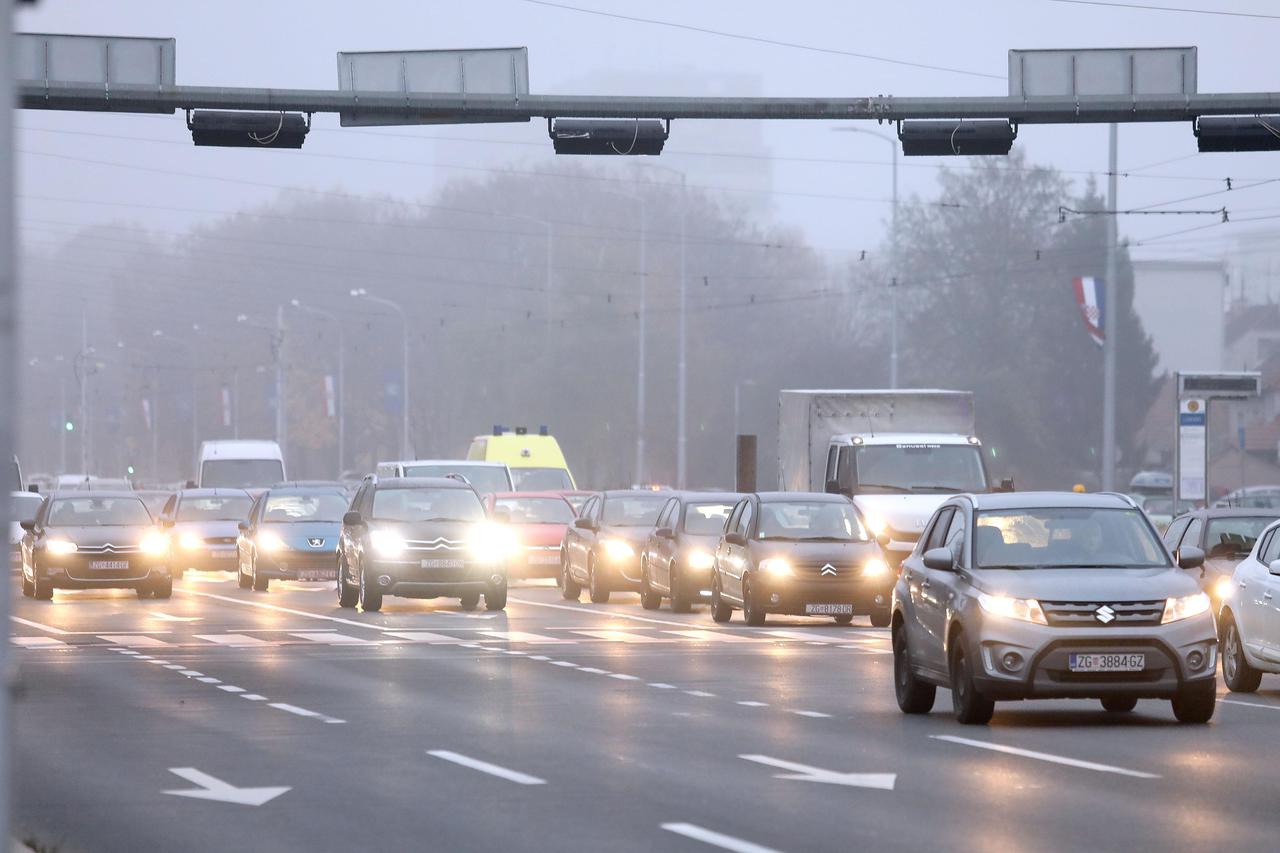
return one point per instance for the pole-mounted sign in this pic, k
(1191, 443)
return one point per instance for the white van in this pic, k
(239, 464)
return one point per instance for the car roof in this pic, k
(220, 492)
(709, 497)
(421, 483)
(514, 495)
(307, 489)
(1233, 512)
(479, 463)
(622, 493)
(812, 497)
(1050, 500)
(104, 493)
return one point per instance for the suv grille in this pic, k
(107, 549)
(440, 544)
(1099, 614)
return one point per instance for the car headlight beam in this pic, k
(1022, 609)
(618, 549)
(1222, 587)
(190, 542)
(777, 567)
(1184, 607)
(387, 543)
(874, 568)
(269, 542)
(492, 543)
(60, 546)
(700, 559)
(876, 523)
(153, 544)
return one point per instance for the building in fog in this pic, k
(1182, 306)
(1253, 262)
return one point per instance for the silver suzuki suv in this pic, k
(1050, 595)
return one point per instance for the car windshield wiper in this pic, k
(1092, 566)
(1009, 568)
(938, 487)
(888, 486)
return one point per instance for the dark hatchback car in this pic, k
(421, 537)
(203, 527)
(677, 558)
(601, 548)
(800, 554)
(94, 540)
(291, 533)
(1226, 535)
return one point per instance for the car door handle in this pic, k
(924, 584)
(1266, 596)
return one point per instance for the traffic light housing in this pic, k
(1220, 134)
(231, 129)
(956, 137)
(608, 136)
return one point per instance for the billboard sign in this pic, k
(103, 60)
(1115, 72)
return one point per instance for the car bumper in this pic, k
(791, 596)
(209, 559)
(80, 577)
(622, 574)
(413, 580)
(535, 563)
(1044, 672)
(299, 565)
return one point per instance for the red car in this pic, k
(538, 520)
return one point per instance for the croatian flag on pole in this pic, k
(1089, 298)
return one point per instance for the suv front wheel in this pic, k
(1196, 704)
(914, 696)
(969, 705)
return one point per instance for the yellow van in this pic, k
(536, 463)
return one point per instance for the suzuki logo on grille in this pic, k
(828, 571)
(1104, 614)
(315, 543)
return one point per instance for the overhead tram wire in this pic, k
(1144, 7)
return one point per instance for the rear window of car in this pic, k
(637, 511)
(220, 508)
(705, 519)
(321, 507)
(535, 510)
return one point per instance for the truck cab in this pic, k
(898, 480)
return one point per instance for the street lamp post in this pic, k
(340, 409)
(361, 293)
(893, 254)
(638, 471)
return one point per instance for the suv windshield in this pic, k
(228, 508)
(920, 468)
(810, 520)
(1066, 538)
(638, 511)
(241, 473)
(319, 507)
(485, 479)
(91, 511)
(706, 519)
(1234, 537)
(427, 505)
(536, 510)
(540, 479)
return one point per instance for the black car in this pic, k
(601, 548)
(678, 556)
(1226, 535)
(801, 554)
(202, 527)
(421, 537)
(94, 540)
(291, 533)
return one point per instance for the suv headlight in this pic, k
(387, 543)
(874, 568)
(777, 567)
(491, 543)
(618, 549)
(1022, 609)
(1184, 607)
(701, 559)
(60, 546)
(153, 544)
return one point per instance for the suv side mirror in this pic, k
(665, 533)
(352, 519)
(1274, 568)
(1006, 485)
(243, 526)
(27, 524)
(1190, 557)
(883, 538)
(584, 524)
(735, 538)
(833, 487)
(191, 484)
(939, 559)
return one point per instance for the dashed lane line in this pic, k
(716, 839)
(485, 767)
(1045, 756)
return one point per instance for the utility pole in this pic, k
(361, 293)
(235, 402)
(8, 374)
(277, 345)
(1110, 324)
(682, 437)
(84, 392)
(339, 411)
(644, 310)
(155, 422)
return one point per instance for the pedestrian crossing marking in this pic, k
(232, 639)
(623, 636)
(37, 642)
(524, 637)
(715, 636)
(332, 638)
(135, 640)
(426, 637)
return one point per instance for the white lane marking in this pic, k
(525, 637)
(158, 661)
(607, 614)
(808, 773)
(175, 666)
(278, 608)
(209, 679)
(485, 767)
(662, 685)
(817, 715)
(190, 673)
(425, 637)
(253, 697)
(563, 663)
(222, 792)
(751, 703)
(231, 688)
(593, 670)
(126, 652)
(716, 839)
(166, 617)
(1044, 756)
(37, 642)
(539, 657)
(143, 657)
(623, 676)
(702, 693)
(622, 636)
(468, 646)
(303, 712)
(331, 637)
(231, 639)
(141, 642)
(38, 625)
(806, 636)
(715, 636)
(1249, 704)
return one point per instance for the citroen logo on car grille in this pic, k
(1104, 614)
(315, 543)
(828, 571)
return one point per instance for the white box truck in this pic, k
(239, 464)
(897, 454)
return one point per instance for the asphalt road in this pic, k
(224, 719)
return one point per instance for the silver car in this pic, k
(1050, 595)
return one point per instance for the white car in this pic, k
(1249, 621)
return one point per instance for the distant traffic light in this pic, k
(129, 470)
(608, 136)
(956, 138)
(230, 129)
(69, 426)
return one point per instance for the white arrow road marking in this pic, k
(716, 839)
(222, 792)
(805, 773)
(167, 617)
(1044, 756)
(485, 767)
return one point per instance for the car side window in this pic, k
(831, 464)
(844, 467)
(667, 517)
(955, 537)
(731, 523)
(938, 533)
(1273, 550)
(167, 512)
(744, 520)
(1174, 534)
(1192, 536)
